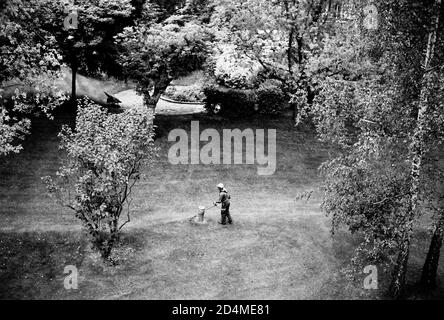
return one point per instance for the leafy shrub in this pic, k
(185, 93)
(270, 98)
(105, 155)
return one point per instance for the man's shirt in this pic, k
(223, 198)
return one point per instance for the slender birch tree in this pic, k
(418, 148)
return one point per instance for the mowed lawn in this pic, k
(278, 248)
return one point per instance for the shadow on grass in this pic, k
(344, 245)
(32, 264)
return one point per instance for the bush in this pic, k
(267, 99)
(105, 154)
(232, 102)
(237, 81)
(270, 98)
(190, 93)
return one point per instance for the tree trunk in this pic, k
(429, 270)
(397, 286)
(151, 101)
(294, 109)
(73, 82)
(417, 149)
(160, 83)
(108, 239)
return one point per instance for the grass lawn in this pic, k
(278, 248)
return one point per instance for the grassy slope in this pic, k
(278, 248)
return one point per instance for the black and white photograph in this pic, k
(221, 154)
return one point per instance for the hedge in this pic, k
(233, 102)
(267, 99)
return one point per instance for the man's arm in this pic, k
(219, 201)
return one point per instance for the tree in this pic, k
(433, 175)
(383, 109)
(34, 45)
(105, 155)
(281, 36)
(418, 149)
(29, 64)
(154, 53)
(366, 187)
(86, 42)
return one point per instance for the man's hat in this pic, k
(220, 186)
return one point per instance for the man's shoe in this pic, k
(221, 223)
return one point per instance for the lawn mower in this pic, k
(199, 217)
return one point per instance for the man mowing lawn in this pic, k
(224, 200)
